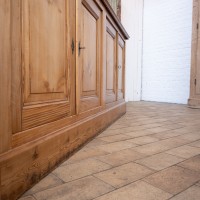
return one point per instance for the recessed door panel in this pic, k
(121, 68)
(89, 56)
(47, 46)
(110, 63)
(89, 70)
(44, 52)
(46, 73)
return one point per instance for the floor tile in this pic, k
(151, 125)
(95, 142)
(117, 126)
(124, 174)
(117, 146)
(86, 153)
(27, 198)
(174, 179)
(137, 191)
(120, 131)
(173, 126)
(48, 182)
(185, 151)
(166, 134)
(191, 136)
(150, 149)
(192, 193)
(81, 169)
(174, 142)
(116, 138)
(183, 130)
(192, 163)
(143, 140)
(195, 144)
(160, 161)
(83, 189)
(158, 129)
(140, 133)
(121, 157)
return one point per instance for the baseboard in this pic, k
(26, 165)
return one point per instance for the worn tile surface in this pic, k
(198, 184)
(152, 148)
(116, 138)
(160, 161)
(174, 179)
(192, 163)
(137, 191)
(151, 153)
(28, 198)
(124, 174)
(80, 169)
(83, 189)
(192, 193)
(121, 157)
(86, 153)
(143, 140)
(116, 146)
(139, 133)
(48, 182)
(195, 144)
(185, 151)
(95, 142)
(167, 134)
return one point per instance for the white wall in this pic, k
(132, 13)
(166, 50)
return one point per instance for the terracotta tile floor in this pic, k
(151, 153)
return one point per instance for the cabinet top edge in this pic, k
(116, 19)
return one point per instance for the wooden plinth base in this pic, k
(24, 166)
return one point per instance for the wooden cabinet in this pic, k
(62, 79)
(194, 100)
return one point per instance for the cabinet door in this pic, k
(89, 55)
(47, 76)
(111, 58)
(121, 68)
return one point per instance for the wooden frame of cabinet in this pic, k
(49, 108)
(194, 100)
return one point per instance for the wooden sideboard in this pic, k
(62, 81)
(194, 100)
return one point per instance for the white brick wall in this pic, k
(132, 18)
(167, 33)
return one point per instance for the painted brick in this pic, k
(167, 31)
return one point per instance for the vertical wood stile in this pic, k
(5, 76)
